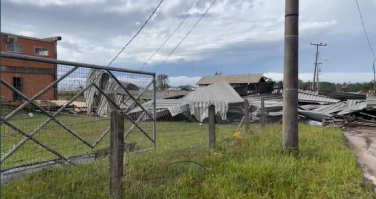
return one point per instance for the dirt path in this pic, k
(363, 142)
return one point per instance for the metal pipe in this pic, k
(101, 137)
(36, 141)
(61, 62)
(137, 121)
(155, 111)
(51, 117)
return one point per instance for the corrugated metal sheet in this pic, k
(231, 79)
(270, 106)
(353, 106)
(310, 106)
(220, 91)
(269, 97)
(333, 108)
(104, 109)
(310, 96)
(196, 103)
(318, 116)
(160, 94)
(343, 96)
(108, 86)
(371, 102)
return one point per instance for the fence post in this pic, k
(116, 154)
(212, 126)
(262, 112)
(155, 111)
(246, 116)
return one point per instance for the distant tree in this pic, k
(185, 87)
(218, 73)
(270, 80)
(162, 82)
(342, 87)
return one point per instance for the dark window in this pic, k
(18, 85)
(15, 48)
(41, 51)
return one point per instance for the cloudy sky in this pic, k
(235, 37)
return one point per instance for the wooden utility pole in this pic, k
(290, 76)
(315, 72)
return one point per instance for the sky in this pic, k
(235, 36)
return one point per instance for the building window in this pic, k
(18, 85)
(15, 48)
(41, 51)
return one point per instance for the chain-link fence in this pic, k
(55, 125)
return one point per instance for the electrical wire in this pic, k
(136, 33)
(365, 31)
(173, 50)
(189, 14)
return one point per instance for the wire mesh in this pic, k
(56, 143)
(55, 126)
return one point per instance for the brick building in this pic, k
(27, 76)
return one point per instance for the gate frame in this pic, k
(75, 66)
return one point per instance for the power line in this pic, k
(171, 34)
(173, 50)
(137, 32)
(365, 31)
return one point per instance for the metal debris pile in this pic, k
(326, 108)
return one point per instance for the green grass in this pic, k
(254, 167)
(67, 95)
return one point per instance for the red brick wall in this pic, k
(32, 83)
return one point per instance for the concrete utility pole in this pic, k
(290, 76)
(318, 71)
(314, 83)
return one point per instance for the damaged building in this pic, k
(194, 105)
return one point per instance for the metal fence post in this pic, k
(155, 111)
(116, 154)
(246, 116)
(212, 126)
(262, 112)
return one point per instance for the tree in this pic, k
(185, 87)
(218, 73)
(162, 82)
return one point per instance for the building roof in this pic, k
(49, 39)
(231, 79)
(220, 91)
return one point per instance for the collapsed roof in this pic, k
(195, 104)
(96, 100)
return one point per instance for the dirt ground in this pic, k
(363, 143)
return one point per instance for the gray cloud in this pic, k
(236, 36)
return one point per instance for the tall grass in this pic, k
(183, 167)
